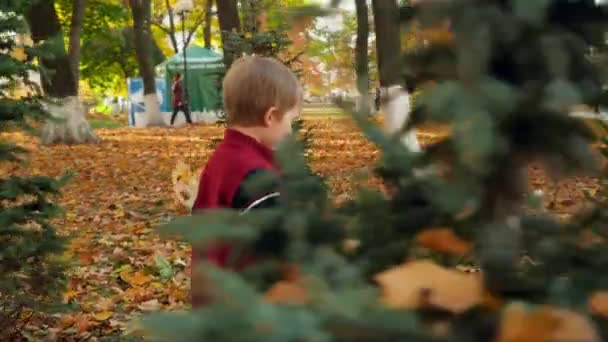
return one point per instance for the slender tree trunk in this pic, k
(361, 56)
(228, 15)
(59, 83)
(78, 8)
(172, 27)
(395, 100)
(141, 10)
(207, 28)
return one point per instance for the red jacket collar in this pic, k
(233, 136)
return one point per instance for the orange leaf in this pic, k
(68, 295)
(137, 279)
(103, 316)
(285, 292)
(443, 240)
(422, 283)
(598, 303)
(544, 323)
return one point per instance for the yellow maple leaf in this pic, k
(443, 240)
(544, 323)
(423, 283)
(103, 316)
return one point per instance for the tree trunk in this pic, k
(361, 56)
(141, 10)
(78, 8)
(59, 84)
(388, 45)
(395, 100)
(207, 28)
(228, 15)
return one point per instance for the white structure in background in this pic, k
(397, 112)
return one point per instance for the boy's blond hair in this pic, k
(253, 85)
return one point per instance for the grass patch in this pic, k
(104, 123)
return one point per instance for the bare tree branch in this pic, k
(199, 21)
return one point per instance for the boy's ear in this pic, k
(270, 116)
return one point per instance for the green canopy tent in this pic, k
(205, 69)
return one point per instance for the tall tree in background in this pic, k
(228, 16)
(59, 82)
(388, 46)
(361, 56)
(395, 101)
(141, 10)
(78, 9)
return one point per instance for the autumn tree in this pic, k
(381, 267)
(165, 18)
(78, 10)
(32, 272)
(59, 82)
(141, 10)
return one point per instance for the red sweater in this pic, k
(177, 93)
(235, 157)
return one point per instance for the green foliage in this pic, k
(32, 272)
(107, 48)
(505, 88)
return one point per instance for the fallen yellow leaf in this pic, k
(423, 283)
(103, 316)
(443, 240)
(544, 323)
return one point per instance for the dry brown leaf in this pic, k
(443, 240)
(67, 321)
(598, 303)
(422, 282)
(105, 304)
(151, 305)
(544, 323)
(83, 324)
(587, 238)
(286, 292)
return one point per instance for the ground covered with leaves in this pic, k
(122, 189)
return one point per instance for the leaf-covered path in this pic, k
(123, 189)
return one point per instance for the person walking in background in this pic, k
(178, 99)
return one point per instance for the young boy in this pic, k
(262, 98)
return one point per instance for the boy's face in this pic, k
(279, 127)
